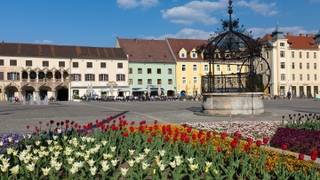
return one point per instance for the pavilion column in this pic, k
(37, 76)
(28, 80)
(54, 75)
(61, 72)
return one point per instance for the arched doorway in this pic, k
(183, 93)
(43, 92)
(33, 76)
(10, 92)
(57, 75)
(62, 93)
(41, 76)
(27, 92)
(24, 76)
(49, 75)
(170, 93)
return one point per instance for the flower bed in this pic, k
(126, 150)
(297, 140)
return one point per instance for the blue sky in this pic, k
(99, 22)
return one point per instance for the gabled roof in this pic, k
(60, 51)
(189, 44)
(146, 51)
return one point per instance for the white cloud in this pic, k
(129, 4)
(194, 12)
(260, 32)
(259, 7)
(186, 33)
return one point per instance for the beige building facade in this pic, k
(34, 72)
(295, 64)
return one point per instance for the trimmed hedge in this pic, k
(298, 140)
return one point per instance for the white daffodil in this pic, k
(57, 166)
(146, 150)
(68, 151)
(172, 164)
(131, 152)
(45, 171)
(82, 147)
(91, 162)
(105, 166)
(10, 139)
(190, 160)
(74, 169)
(145, 165)
(107, 156)
(158, 161)
(4, 166)
(37, 143)
(54, 137)
(70, 160)
(162, 152)
(162, 167)
(193, 167)
(49, 142)
(1, 143)
(93, 171)
(79, 164)
(10, 151)
(124, 171)
(131, 162)
(30, 167)
(208, 165)
(104, 142)
(178, 160)
(15, 170)
(113, 149)
(114, 162)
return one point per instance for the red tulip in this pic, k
(258, 143)
(189, 129)
(284, 147)
(246, 147)
(234, 143)
(265, 140)
(167, 138)
(149, 140)
(125, 134)
(301, 156)
(186, 139)
(224, 135)
(249, 140)
(219, 149)
(314, 155)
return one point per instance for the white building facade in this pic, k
(295, 64)
(32, 72)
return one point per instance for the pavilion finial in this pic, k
(230, 12)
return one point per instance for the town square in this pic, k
(152, 89)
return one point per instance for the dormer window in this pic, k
(194, 54)
(183, 53)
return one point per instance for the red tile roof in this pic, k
(60, 51)
(146, 51)
(189, 44)
(297, 41)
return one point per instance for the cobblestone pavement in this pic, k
(15, 117)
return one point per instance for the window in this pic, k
(45, 63)
(149, 81)
(103, 77)
(282, 65)
(228, 67)
(195, 80)
(169, 81)
(282, 44)
(282, 54)
(315, 77)
(307, 55)
(292, 54)
(169, 71)
(184, 80)
(238, 68)
(314, 55)
(149, 71)
(89, 64)
(13, 76)
(194, 67)
(120, 65)
(139, 81)
(121, 77)
(314, 65)
(308, 77)
(158, 81)
(28, 63)
(158, 71)
(293, 77)
(183, 67)
(75, 77)
(1, 62)
(130, 81)
(62, 64)
(13, 62)
(75, 64)
(308, 65)
(194, 54)
(206, 67)
(1, 76)
(300, 65)
(301, 78)
(283, 77)
(218, 67)
(130, 70)
(300, 55)
(139, 70)
(293, 65)
(103, 65)
(89, 77)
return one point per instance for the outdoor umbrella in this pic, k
(159, 90)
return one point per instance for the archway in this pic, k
(24, 75)
(10, 92)
(57, 75)
(170, 93)
(49, 75)
(183, 93)
(65, 75)
(43, 92)
(62, 93)
(33, 75)
(41, 76)
(27, 92)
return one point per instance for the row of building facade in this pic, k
(137, 67)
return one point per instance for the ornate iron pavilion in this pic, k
(235, 47)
